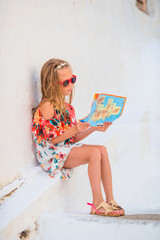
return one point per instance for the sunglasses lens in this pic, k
(73, 80)
(65, 83)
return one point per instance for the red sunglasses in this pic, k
(72, 80)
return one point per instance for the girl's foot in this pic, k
(103, 208)
(116, 207)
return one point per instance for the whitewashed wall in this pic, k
(113, 48)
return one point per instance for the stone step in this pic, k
(85, 226)
(17, 197)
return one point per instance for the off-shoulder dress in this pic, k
(52, 157)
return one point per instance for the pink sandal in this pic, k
(109, 210)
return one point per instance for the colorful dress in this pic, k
(52, 157)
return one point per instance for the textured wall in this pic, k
(113, 48)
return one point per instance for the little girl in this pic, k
(57, 134)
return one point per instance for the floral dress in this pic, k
(52, 157)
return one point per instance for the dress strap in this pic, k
(43, 100)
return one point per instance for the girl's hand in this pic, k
(82, 126)
(104, 127)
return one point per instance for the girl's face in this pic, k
(64, 74)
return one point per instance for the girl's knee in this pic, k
(95, 153)
(104, 153)
(103, 149)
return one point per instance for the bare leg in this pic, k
(107, 176)
(106, 173)
(82, 155)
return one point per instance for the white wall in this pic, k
(113, 48)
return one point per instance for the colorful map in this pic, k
(105, 108)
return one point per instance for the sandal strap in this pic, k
(93, 207)
(103, 204)
(115, 205)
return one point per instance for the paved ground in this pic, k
(154, 217)
(85, 226)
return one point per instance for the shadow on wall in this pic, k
(35, 87)
(35, 99)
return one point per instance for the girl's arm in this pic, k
(81, 135)
(78, 128)
(81, 130)
(67, 134)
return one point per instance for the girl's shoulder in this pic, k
(47, 110)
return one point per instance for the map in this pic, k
(105, 108)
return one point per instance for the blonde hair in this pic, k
(50, 87)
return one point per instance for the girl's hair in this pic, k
(50, 87)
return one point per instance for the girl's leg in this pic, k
(106, 174)
(82, 155)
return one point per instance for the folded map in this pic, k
(105, 108)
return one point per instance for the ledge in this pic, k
(86, 226)
(19, 195)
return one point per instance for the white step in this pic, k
(85, 226)
(26, 191)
